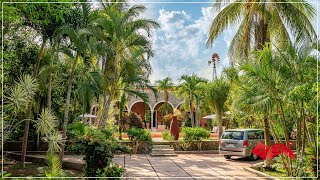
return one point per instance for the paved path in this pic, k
(185, 166)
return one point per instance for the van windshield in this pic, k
(236, 135)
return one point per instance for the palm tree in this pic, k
(263, 95)
(45, 22)
(217, 94)
(189, 88)
(80, 42)
(165, 85)
(263, 22)
(117, 29)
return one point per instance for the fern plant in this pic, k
(54, 168)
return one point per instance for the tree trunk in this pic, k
(219, 122)
(105, 111)
(49, 92)
(66, 111)
(191, 111)
(267, 162)
(28, 114)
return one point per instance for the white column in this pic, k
(151, 112)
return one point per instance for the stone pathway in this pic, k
(185, 166)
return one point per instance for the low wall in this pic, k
(17, 146)
(206, 145)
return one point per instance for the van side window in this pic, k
(255, 135)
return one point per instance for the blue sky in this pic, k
(180, 43)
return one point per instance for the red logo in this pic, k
(269, 153)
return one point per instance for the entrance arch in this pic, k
(140, 108)
(157, 114)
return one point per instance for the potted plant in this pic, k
(147, 119)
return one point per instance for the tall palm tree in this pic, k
(165, 85)
(189, 88)
(118, 29)
(263, 95)
(262, 22)
(45, 22)
(217, 94)
(80, 47)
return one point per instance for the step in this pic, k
(163, 152)
(161, 143)
(152, 154)
(156, 149)
(161, 147)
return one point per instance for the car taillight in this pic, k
(245, 144)
(290, 143)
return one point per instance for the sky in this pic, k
(180, 44)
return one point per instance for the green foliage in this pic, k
(54, 168)
(99, 149)
(195, 134)
(76, 129)
(167, 136)
(113, 170)
(138, 136)
(46, 123)
(147, 118)
(134, 121)
(141, 135)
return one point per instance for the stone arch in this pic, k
(140, 108)
(162, 102)
(180, 103)
(158, 116)
(129, 109)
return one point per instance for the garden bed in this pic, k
(207, 146)
(14, 169)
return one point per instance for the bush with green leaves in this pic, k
(167, 136)
(195, 135)
(134, 121)
(138, 136)
(99, 147)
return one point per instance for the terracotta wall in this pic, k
(139, 108)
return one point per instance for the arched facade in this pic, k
(140, 108)
(154, 103)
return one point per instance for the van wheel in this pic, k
(253, 157)
(227, 156)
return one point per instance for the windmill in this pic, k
(214, 59)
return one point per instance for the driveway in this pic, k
(185, 166)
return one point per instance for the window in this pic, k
(255, 135)
(236, 135)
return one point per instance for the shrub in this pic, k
(111, 171)
(196, 135)
(138, 136)
(98, 148)
(167, 136)
(76, 129)
(134, 121)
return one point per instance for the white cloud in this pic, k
(180, 45)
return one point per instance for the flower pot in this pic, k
(174, 128)
(148, 125)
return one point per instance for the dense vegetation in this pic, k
(62, 59)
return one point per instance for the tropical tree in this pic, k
(80, 46)
(217, 93)
(189, 88)
(165, 85)
(48, 18)
(262, 22)
(117, 29)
